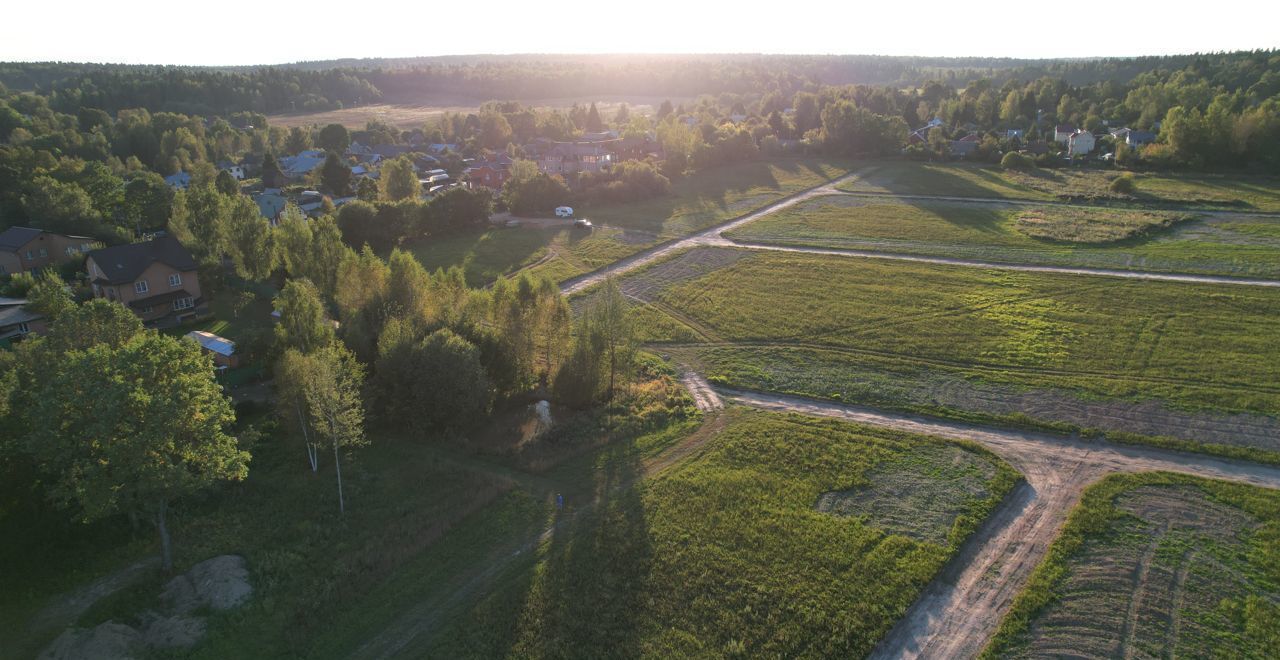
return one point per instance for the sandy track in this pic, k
(960, 610)
(1225, 213)
(999, 265)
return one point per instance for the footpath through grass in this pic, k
(1196, 362)
(728, 554)
(1155, 565)
(1051, 235)
(1220, 191)
(696, 202)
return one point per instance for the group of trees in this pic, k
(104, 417)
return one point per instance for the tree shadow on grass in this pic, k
(588, 597)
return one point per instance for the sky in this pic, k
(243, 33)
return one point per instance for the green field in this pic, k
(1155, 565)
(1085, 351)
(696, 202)
(1239, 192)
(1049, 235)
(785, 537)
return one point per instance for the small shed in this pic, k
(223, 349)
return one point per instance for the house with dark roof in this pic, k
(25, 249)
(1063, 132)
(1136, 139)
(567, 157)
(16, 321)
(156, 279)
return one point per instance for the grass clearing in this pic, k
(1155, 565)
(1195, 190)
(696, 202)
(1052, 235)
(954, 333)
(1091, 226)
(726, 554)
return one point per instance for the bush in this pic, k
(436, 383)
(1016, 161)
(1123, 185)
(538, 194)
(629, 181)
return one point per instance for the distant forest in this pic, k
(312, 86)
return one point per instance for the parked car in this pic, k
(564, 211)
(582, 223)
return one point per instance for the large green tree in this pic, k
(303, 326)
(335, 175)
(131, 428)
(398, 181)
(334, 137)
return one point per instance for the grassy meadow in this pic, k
(1050, 235)
(696, 202)
(1222, 191)
(728, 554)
(1155, 565)
(966, 339)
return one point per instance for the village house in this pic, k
(25, 249)
(570, 157)
(1080, 143)
(1063, 132)
(16, 321)
(155, 279)
(1135, 139)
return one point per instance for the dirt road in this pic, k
(1030, 202)
(705, 237)
(961, 609)
(999, 265)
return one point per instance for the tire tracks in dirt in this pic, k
(961, 608)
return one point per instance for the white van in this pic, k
(564, 211)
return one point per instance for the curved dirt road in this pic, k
(960, 610)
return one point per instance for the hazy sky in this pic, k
(169, 32)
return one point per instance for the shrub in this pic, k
(1123, 185)
(1016, 161)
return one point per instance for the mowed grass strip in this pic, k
(696, 202)
(1155, 565)
(727, 554)
(1051, 235)
(1225, 191)
(1195, 346)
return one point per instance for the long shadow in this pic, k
(590, 592)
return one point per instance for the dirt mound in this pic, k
(220, 583)
(109, 641)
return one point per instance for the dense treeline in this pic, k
(327, 85)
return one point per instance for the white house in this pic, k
(1063, 132)
(1080, 143)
